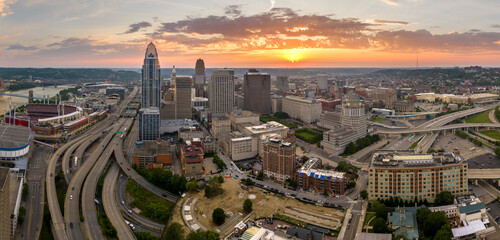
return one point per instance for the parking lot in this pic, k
(488, 161)
(450, 142)
(494, 210)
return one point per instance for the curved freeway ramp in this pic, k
(111, 206)
(129, 171)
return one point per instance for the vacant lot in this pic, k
(264, 205)
(479, 118)
(151, 205)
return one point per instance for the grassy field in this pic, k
(492, 134)
(479, 118)
(309, 135)
(379, 119)
(151, 205)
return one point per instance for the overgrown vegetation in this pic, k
(220, 164)
(107, 228)
(45, 232)
(61, 189)
(309, 135)
(26, 191)
(495, 134)
(482, 117)
(213, 187)
(414, 145)
(151, 205)
(145, 236)
(164, 179)
(466, 136)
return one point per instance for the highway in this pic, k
(55, 211)
(91, 224)
(111, 207)
(431, 129)
(129, 171)
(142, 222)
(72, 206)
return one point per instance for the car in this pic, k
(164, 195)
(128, 169)
(123, 202)
(71, 197)
(71, 225)
(129, 211)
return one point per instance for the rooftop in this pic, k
(149, 148)
(266, 127)
(14, 137)
(409, 159)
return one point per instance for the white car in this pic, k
(71, 197)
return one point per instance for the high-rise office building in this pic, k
(182, 97)
(149, 124)
(322, 82)
(151, 82)
(199, 79)
(282, 83)
(200, 67)
(279, 158)
(149, 114)
(221, 92)
(353, 114)
(257, 92)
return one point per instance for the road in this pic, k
(110, 204)
(354, 222)
(72, 206)
(88, 203)
(138, 220)
(34, 203)
(55, 211)
(129, 171)
(492, 116)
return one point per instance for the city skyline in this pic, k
(362, 33)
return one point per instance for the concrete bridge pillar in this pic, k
(475, 182)
(498, 182)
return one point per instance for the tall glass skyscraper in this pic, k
(149, 114)
(151, 80)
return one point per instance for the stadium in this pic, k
(53, 121)
(15, 144)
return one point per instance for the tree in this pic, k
(145, 236)
(350, 148)
(22, 213)
(248, 181)
(363, 194)
(174, 232)
(203, 235)
(497, 151)
(379, 225)
(444, 198)
(218, 216)
(379, 209)
(26, 191)
(260, 176)
(444, 233)
(247, 205)
(281, 115)
(191, 185)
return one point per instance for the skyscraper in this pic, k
(282, 83)
(151, 82)
(221, 92)
(149, 114)
(199, 79)
(200, 67)
(257, 90)
(182, 96)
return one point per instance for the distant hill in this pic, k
(69, 75)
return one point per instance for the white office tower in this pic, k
(221, 92)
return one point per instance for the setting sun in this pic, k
(293, 55)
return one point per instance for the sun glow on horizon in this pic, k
(293, 55)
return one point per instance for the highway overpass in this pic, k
(440, 128)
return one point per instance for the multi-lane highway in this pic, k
(72, 201)
(111, 207)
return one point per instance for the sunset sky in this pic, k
(258, 33)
